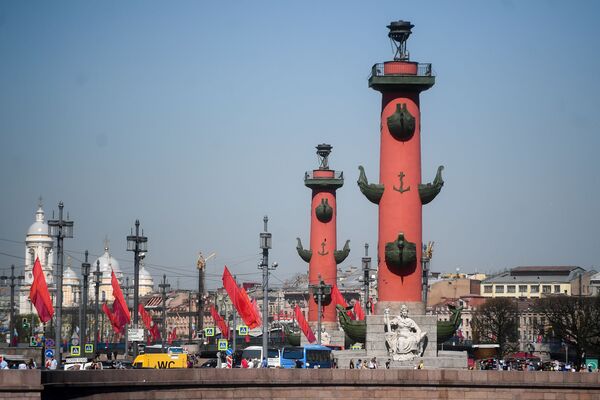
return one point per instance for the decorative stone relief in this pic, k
(404, 338)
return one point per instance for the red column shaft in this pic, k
(400, 211)
(323, 242)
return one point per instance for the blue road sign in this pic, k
(49, 353)
(229, 352)
(49, 342)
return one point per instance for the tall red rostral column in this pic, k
(400, 194)
(323, 257)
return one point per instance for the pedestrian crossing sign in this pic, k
(89, 348)
(243, 330)
(75, 350)
(223, 345)
(209, 331)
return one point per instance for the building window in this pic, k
(522, 288)
(546, 289)
(499, 288)
(487, 289)
(556, 288)
(511, 289)
(535, 288)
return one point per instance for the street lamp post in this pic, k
(97, 277)
(12, 278)
(320, 291)
(85, 272)
(164, 286)
(265, 245)
(367, 279)
(139, 245)
(60, 229)
(426, 255)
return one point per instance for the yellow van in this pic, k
(160, 360)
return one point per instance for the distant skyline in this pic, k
(199, 118)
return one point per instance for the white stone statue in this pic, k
(325, 337)
(404, 337)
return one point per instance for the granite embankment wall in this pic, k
(298, 384)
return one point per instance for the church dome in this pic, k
(107, 263)
(69, 274)
(39, 227)
(145, 277)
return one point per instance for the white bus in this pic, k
(255, 353)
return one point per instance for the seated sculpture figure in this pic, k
(404, 337)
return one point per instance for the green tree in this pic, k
(574, 320)
(496, 321)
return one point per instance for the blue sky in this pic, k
(201, 117)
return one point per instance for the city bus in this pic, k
(309, 356)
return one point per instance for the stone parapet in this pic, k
(319, 383)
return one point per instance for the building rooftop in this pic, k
(537, 274)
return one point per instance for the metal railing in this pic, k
(423, 69)
(336, 175)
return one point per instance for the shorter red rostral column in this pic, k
(323, 256)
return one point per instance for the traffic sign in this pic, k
(135, 335)
(209, 331)
(35, 341)
(243, 330)
(229, 352)
(223, 344)
(49, 353)
(89, 348)
(49, 342)
(75, 350)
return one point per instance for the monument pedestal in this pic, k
(376, 347)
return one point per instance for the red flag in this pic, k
(119, 308)
(155, 332)
(310, 336)
(172, 336)
(112, 318)
(240, 301)
(256, 315)
(145, 316)
(39, 295)
(358, 311)
(220, 322)
(336, 297)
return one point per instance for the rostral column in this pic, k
(400, 194)
(323, 257)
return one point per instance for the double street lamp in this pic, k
(367, 278)
(60, 229)
(320, 291)
(12, 279)
(139, 245)
(265, 245)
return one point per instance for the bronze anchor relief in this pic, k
(323, 252)
(401, 189)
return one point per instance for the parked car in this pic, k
(212, 363)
